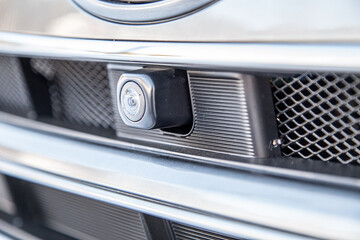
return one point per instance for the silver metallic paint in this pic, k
(225, 21)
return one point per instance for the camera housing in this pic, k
(152, 98)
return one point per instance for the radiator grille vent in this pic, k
(84, 218)
(220, 114)
(185, 232)
(79, 91)
(319, 115)
(14, 95)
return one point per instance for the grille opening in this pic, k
(315, 118)
(186, 232)
(14, 93)
(84, 218)
(79, 91)
(318, 116)
(79, 95)
(50, 213)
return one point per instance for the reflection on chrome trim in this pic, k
(220, 56)
(144, 205)
(196, 193)
(246, 164)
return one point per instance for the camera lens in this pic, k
(132, 101)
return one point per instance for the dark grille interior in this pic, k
(55, 214)
(84, 218)
(14, 95)
(318, 115)
(185, 232)
(79, 91)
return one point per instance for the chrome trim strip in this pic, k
(232, 195)
(247, 166)
(227, 226)
(221, 56)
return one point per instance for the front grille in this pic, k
(14, 94)
(79, 91)
(185, 232)
(318, 115)
(83, 218)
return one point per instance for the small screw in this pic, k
(276, 142)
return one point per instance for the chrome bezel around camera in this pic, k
(148, 119)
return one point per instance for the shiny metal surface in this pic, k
(223, 56)
(235, 196)
(226, 21)
(292, 170)
(158, 11)
(228, 226)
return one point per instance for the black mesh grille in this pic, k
(185, 232)
(79, 91)
(14, 95)
(319, 115)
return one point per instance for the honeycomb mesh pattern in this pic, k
(319, 116)
(14, 95)
(79, 91)
(185, 232)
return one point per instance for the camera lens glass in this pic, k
(132, 101)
